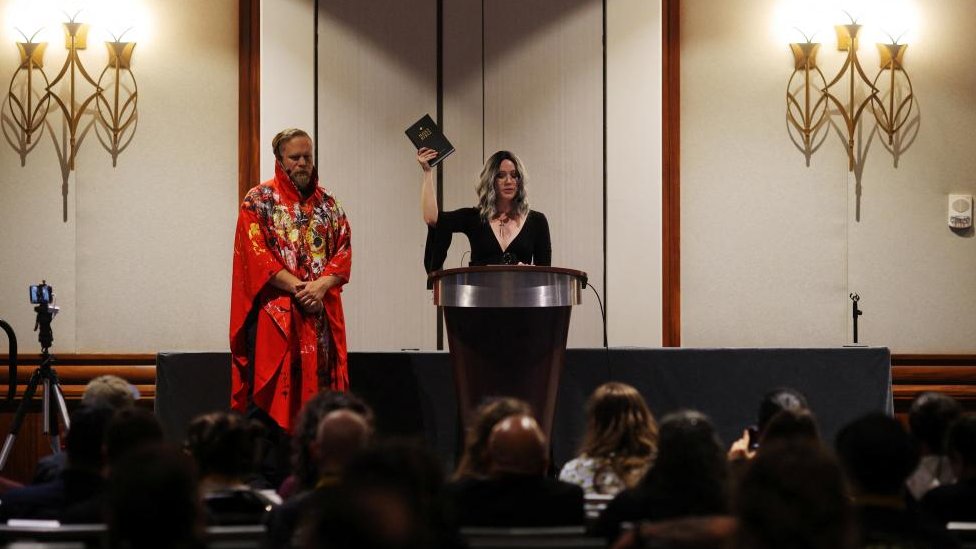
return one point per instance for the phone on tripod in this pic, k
(41, 294)
(44, 378)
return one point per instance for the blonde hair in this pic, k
(487, 195)
(620, 429)
(285, 136)
(111, 391)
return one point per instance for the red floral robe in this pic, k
(278, 229)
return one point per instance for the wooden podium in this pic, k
(507, 327)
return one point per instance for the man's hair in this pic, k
(152, 501)
(793, 495)
(777, 400)
(85, 437)
(130, 430)
(690, 474)
(285, 136)
(224, 443)
(111, 391)
(791, 425)
(394, 475)
(962, 438)
(877, 454)
(929, 419)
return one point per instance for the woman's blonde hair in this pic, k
(487, 195)
(621, 430)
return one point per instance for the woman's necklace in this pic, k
(503, 230)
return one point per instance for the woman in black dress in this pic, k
(501, 229)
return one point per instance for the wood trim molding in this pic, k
(76, 370)
(952, 374)
(88, 359)
(671, 173)
(249, 96)
(933, 360)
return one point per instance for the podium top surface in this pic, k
(507, 268)
(508, 286)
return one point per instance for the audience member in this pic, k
(152, 500)
(929, 419)
(128, 431)
(957, 502)
(791, 426)
(689, 477)
(792, 496)
(110, 391)
(79, 481)
(391, 497)
(878, 455)
(223, 445)
(474, 459)
(304, 472)
(106, 391)
(773, 402)
(619, 444)
(342, 434)
(517, 491)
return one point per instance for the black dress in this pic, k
(531, 246)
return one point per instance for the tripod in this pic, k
(51, 394)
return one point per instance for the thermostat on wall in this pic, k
(960, 211)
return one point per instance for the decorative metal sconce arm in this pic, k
(806, 113)
(28, 109)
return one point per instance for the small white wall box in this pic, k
(960, 211)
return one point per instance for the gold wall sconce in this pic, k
(109, 100)
(851, 92)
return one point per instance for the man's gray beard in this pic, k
(301, 179)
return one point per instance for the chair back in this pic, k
(569, 537)
(964, 532)
(52, 534)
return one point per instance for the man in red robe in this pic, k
(292, 254)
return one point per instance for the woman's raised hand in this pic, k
(424, 156)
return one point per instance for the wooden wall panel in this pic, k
(249, 109)
(912, 374)
(671, 174)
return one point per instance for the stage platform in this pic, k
(413, 394)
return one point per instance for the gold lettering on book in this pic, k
(425, 133)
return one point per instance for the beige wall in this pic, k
(634, 173)
(542, 100)
(376, 77)
(770, 247)
(541, 96)
(287, 76)
(142, 263)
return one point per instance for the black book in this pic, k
(424, 133)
